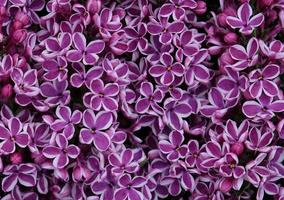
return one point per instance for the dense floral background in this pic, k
(141, 99)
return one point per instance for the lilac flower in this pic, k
(175, 111)
(25, 174)
(236, 136)
(215, 154)
(218, 107)
(12, 135)
(107, 21)
(57, 46)
(262, 81)
(55, 92)
(177, 8)
(233, 84)
(116, 70)
(137, 39)
(196, 70)
(166, 70)
(30, 7)
(245, 57)
(275, 50)
(55, 69)
(231, 168)
(25, 83)
(129, 188)
(82, 77)
(82, 51)
(66, 121)
(255, 171)
(95, 127)
(149, 99)
(164, 28)
(244, 20)
(104, 95)
(6, 66)
(173, 148)
(259, 141)
(193, 157)
(123, 162)
(264, 108)
(61, 152)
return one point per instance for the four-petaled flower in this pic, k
(61, 152)
(12, 135)
(82, 51)
(167, 70)
(174, 148)
(25, 174)
(96, 127)
(243, 21)
(230, 167)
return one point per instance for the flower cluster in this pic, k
(141, 99)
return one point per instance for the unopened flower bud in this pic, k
(222, 19)
(238, 148)
(16, 158)
(7, 91)
(201, 8)
(94, 6)
(231, 38)
(265, 3)
(19, 35)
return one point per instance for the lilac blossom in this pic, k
(13, 134)
(95, 127)
(244, 20)
(61, 152)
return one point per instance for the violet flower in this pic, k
(244, 20)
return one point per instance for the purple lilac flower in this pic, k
(82, 51)
(25, 174)
(95, 127)
(244, 20)
(61, 152)
(13, 134)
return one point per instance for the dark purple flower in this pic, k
(96, 127)
(57, 46)
(137, 38)
(25, 174)
(123, 162)
(61, 152)
(82, 77)
(130, 187)
(259, 141)
(262, 81)
(174, 148)
(275, 50)
(244, 20)
(82, 51)
(149, 99)
(263, 108)
(25, 83)
(164, 28)
(104, 96)
(230, 167)
(167, 70)
(12, 135)
(245, 57)
(55, 69)
(177, 8)
(66, 121)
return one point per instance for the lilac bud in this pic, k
(22, 18)
(7, 91)
(266, 3)
(19, 35)
(94, 6)
(201, 8)
(238, 148)
(16, 158)
(222, 19)
(231, 38)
